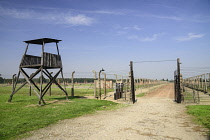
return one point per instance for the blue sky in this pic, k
(109, 34)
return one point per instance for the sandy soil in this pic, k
(153, 117)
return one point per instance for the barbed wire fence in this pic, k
(89, 83)
(82, 83)
(196, 84)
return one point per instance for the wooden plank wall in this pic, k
(50, 60)
(30, 60)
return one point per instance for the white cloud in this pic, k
(121, 33)
(109, 12)
(78, 20)
(167, 17)
(15, 13)
(175, 18)
(127, 12)
(125, 30)
(146, 39)
(152, 38)
(189, 37)
(134, 27)
(59, 18)
(163, 6)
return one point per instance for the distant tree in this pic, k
(8, 81)
(1, 80)
(21, 80)
(43, 79)
(171, 80)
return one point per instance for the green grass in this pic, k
(55, 91)
(188, 96)
(141, 95)
(8, 89)
(145, 86)
(23, 114)
(202, 114)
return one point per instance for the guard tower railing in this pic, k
(49, 61)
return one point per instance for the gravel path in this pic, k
(153, 117)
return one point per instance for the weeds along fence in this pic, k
(196, 89)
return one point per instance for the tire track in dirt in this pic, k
(154, 116)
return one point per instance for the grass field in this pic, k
(23, 114)
(86, 91)
(188, 96)
(141, 95)
(202, 114)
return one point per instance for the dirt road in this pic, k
(153, 117)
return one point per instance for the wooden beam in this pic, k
(52, 79)
(31, 84)
(57, 48)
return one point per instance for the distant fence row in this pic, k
(93, 83)
(90, 85)
(196, 89)
(200, 82)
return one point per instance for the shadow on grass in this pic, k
(48, 100)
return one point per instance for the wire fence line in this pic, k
(199, 82)
(87, 84)
(190, 72)
(196, 89)
(84, 83)
(154, 61)
(94, 83)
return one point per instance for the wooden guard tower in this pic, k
(41, 64)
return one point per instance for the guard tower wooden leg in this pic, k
(64, 85)
(53, 80)
(41, 82)
(31, 82)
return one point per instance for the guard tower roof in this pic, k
(41, 40)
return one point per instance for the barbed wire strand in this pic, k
(153, 61)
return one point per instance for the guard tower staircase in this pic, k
(41, 64)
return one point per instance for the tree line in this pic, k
(37, 80)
